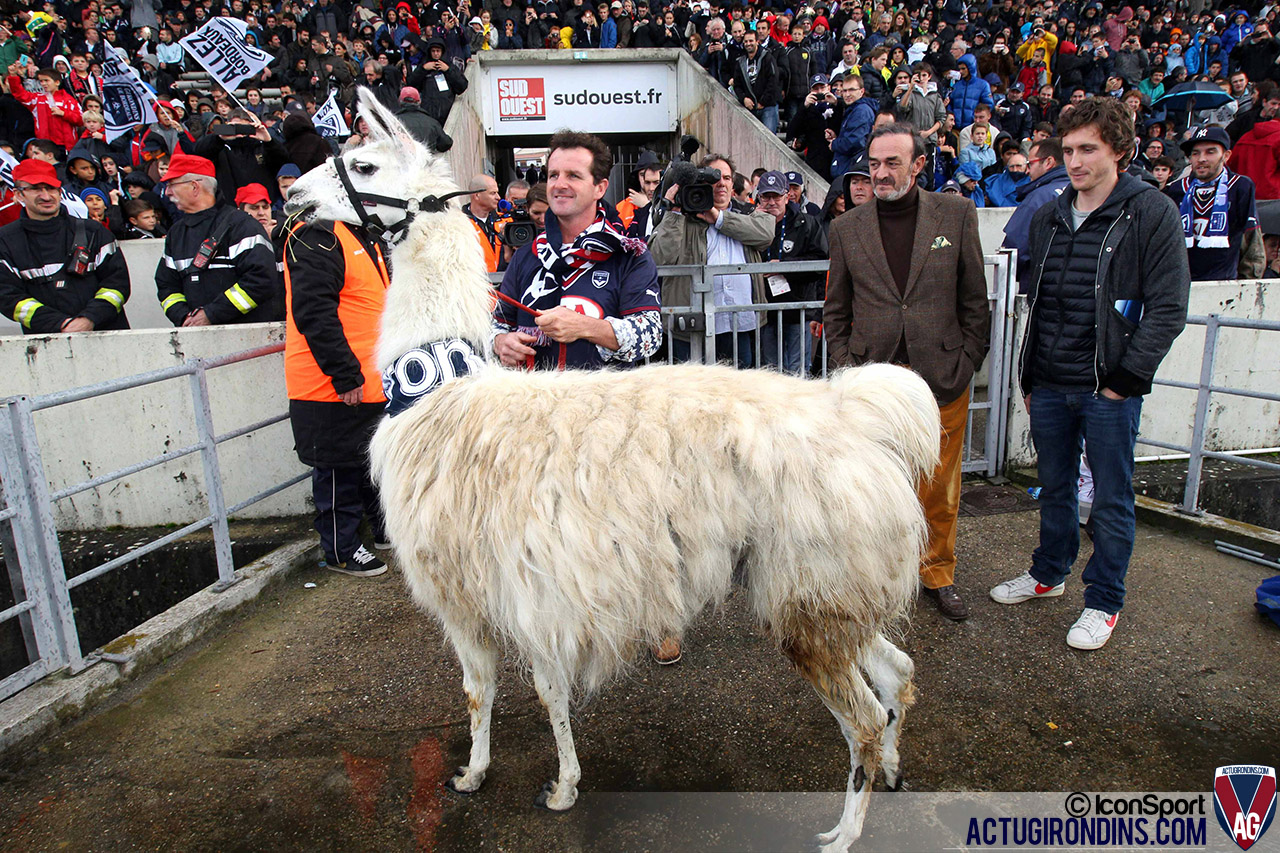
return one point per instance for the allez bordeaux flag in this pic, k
(220, 48)
(126, 100)
(328, 119)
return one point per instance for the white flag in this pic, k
(328, 119)
(70, 200)
(220, 48)
(126, 100)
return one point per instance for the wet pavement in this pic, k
(327, 718)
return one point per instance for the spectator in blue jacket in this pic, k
(1048, 178)
(855, 128)
(969, 91)
(609, 29)
(1002, 187)
(1238, 32)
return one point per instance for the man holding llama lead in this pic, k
(1109, 284)
(592, 292)
(925, 308)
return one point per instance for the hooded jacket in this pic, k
(967, 94)
(307, 148)
(1128, 250)
(242, 160)
(438, 88)
(855, 130)
(423, 127)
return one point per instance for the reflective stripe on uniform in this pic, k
(235, 250)
(103, 253)
(176, 265)
(239, 298)
(172, 300)
(41, 272)
(25, 310)
(107, 294)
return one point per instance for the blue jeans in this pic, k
(724, 349)
(1059, 422)
(768, 117)
(795, 345)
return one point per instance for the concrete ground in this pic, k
(327, 718)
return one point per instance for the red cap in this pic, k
(821, 20)
(36, 172)
(188, 164)
(251, 194)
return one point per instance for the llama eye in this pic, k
(365, 168)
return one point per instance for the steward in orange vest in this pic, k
(335, 281)
(490, 239)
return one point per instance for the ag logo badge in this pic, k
(1244, 798)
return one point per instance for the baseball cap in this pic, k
(408, 93)
(616, 4)
(188, 164)
(476, 20)
(36, 172)
(251, 194)
(951, 187)
(1017, 87)
(861, 166)
(772, 182)
(795, 179)
(818, 80)
(1207, 134)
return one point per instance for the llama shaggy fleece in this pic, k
(580, 515)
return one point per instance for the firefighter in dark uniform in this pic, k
(335, 279)
(218, 267)
(58, 273)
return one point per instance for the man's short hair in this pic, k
(877, 53)
(601, 156)
(135, 206)
(981, 107)
(711, 158)
(239, 115)
(1051, 147)
(1112, 120)
(42, 145)
(1043, 127)
(900, 129)
(756, 173)
(1167, 162)
(1266, 90)
(924, 67)
(52, 73)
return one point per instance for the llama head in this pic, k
(392, 178)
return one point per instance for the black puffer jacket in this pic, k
(1129, 250)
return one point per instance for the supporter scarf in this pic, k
(561, 267)
(1211, 210)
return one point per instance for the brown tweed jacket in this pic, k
(944, 312)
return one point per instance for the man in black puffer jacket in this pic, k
(1109, 286)
(420, 124)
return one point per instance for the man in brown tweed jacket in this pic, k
(907, 286)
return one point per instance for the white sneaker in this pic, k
(1023, 588)
(1092, 629)
(363, 564)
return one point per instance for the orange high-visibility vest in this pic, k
(360, 304)
(626, 212)
(492, 251)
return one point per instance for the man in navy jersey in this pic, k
(594, 290)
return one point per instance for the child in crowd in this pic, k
(143, 221)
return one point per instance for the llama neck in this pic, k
(439, 288)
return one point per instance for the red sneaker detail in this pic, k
(1041, 589)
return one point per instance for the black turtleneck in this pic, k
(898, 233)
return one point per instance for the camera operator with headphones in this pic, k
(707, 232)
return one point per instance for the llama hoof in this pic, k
(461, 783)
(896, 786)
(828, 837)
(548, 798)
(833, 842)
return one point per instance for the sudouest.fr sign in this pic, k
(604, 98)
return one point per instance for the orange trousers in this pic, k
(940, 497)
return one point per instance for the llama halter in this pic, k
(394, 233)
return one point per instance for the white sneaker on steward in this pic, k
(1092, 629)
(1023, 588)
(363, 564)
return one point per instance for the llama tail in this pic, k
(895, 408)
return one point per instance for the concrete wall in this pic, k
(93, 437)
(1246, 359)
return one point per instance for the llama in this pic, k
(579, 517)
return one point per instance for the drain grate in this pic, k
(995, 500)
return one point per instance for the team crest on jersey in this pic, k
(600, 278)
(1244, 799)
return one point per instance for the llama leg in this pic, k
(890, 670)
(862, 719)
(553, 690)
(479, 660)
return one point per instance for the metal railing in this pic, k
(1204, 388)
(41, 589)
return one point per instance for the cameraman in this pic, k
(715, 236)
(243, 152)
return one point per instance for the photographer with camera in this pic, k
(243, 152)
(699, 228)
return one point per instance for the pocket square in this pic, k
(940, 243)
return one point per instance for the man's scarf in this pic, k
(561, 267)
(1211, 208)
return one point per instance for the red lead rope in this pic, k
(507, 299)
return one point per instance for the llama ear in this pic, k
(383, 124)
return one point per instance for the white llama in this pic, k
(579, 517)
